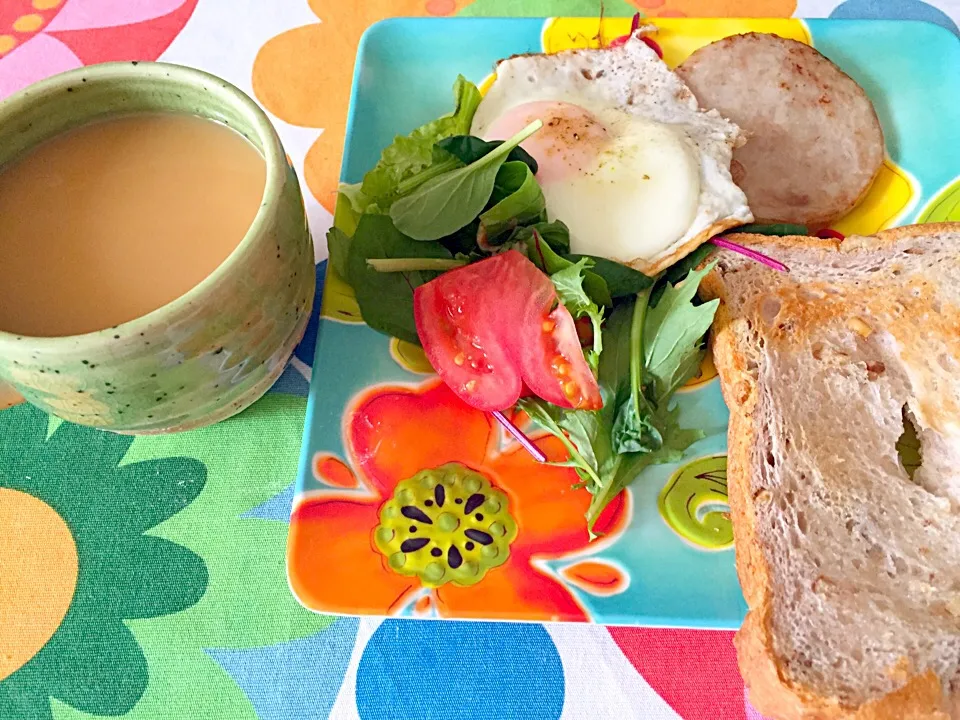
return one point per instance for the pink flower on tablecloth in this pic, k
(39, 38)
(694, 671)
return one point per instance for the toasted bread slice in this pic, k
(847, 551)
(814, 143)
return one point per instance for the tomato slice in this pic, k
(494, 326)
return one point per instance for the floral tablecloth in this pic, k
(145, 578)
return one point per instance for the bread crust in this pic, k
(772, 692)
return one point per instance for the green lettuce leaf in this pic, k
(516, 200)
(674, 330)
(386, 299)
(569, 283)
(622, 280)
(468, 149)
(410, 154)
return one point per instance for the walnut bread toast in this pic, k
(847, 543)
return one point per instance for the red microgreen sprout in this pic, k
(617, 42)
(830, 234)
(752, 254)
(520, 437)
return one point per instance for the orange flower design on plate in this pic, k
(500, 504)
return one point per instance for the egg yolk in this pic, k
(570, 140)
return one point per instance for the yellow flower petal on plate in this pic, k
(410, 357)
(677, 37)
(892, 192)
(339, 302)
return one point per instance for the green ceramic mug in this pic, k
(215, 350)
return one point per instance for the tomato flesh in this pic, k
(492, 328)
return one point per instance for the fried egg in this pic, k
(627, 159)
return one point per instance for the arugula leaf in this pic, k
(468, 149)
(555, 234)
(675, 328)
(386, 299)
(544, 257)
(679, 270)
(549, 416)
(634, 429)
(630, 465)
(622, 280)
(518, 199)
(445, 204)
(338, 245)
(410, 154)
(569, 283)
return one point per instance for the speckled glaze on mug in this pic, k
(213, 351)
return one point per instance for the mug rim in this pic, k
(271, 148)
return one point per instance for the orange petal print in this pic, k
(303, 76)
(396, 432)
(515, 590)
(596, 577)
(548, 510)
(333, 471)
(392, 434)
(334, 566)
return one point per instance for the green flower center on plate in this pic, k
(446, 524)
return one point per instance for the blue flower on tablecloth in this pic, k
(893, 10)
(296, 679)
(460, 671)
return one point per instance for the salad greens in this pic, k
(386, 299)
(570, 283)
(518, 199)
(439, 199)
(648, 352)
(411, 154)
(468, 149)
(445, 203)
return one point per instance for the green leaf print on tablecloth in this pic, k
(219, 582)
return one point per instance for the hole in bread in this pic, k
(769, 309)
(908, 445)
(914, 251)
(801, 522)
(771, 460)
(850, 525)
(817, 351)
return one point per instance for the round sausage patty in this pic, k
(814, 143)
